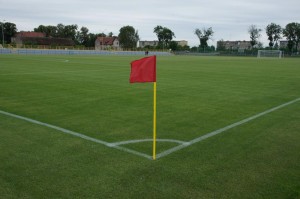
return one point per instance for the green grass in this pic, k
(195, 96)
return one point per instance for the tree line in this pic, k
(275, 32)
(128, 36)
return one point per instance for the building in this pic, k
(154, 43)
(20, 37)
(38, 38)
(233, 45)
(182, 43)
(144, 44)
(284, 44)
(107, 43)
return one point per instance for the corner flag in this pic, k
(144, 70)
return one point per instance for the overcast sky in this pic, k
(229, 19)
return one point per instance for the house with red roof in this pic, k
(107, 43)
(39, 38)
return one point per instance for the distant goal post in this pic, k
(270, 53)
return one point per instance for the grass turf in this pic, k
(196, 95)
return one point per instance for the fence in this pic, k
(76, 52)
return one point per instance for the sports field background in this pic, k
(195, 95)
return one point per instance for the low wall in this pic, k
(76, 52)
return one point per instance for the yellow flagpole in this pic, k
(154, 120)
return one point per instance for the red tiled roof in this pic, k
(48, 41)
(107, 41)
(30, 34)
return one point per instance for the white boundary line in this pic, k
(146, 140)
(162, 154)
(56, 128)
(76, 134)
(42, 73)
(221, 130)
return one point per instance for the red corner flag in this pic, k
(143, 70)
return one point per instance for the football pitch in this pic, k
(74, 127)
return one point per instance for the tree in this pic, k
(173, 45)
(128, 37)
(292, 33)
(254, 35)
(110, 34)
(82, 36)
(70, 31)
(221, 45)
(164, 35)
(91, 40)
(204, 36)
(194, 49)
(9, 30)
(50, 31)
(274, 32)
(62, 31)
(41, 28)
